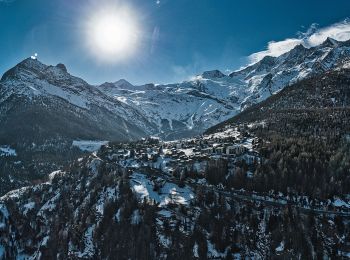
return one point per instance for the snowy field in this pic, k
(6, 151)
(88, 145)
(169, 193)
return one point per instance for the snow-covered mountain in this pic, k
(182, 109)
(190, 107)
(53, 87)
(44, 109)
(121, 110)
(272, 74)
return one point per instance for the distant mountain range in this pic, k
(191, 107)
(122, 111)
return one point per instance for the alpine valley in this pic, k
(250, 165)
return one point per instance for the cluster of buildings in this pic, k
(188, 153)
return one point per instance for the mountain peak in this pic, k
(298, 50)
(113, 88)
(62, 67)
(267, 60)
(213, 74)
(330, 42)
(300, 47)
(123, 83)
(27, 64)
(30, 62)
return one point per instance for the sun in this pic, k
(112, 33)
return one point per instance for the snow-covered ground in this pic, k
(89, 249)
(169, 193)
(89, 145)
(341, 203)
(229, 132)
(109, 194)
(6, 151)
(280, 248)
(213, 253)
(188, 151)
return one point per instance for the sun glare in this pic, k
(112, 33)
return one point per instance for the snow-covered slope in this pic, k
(192, 106)
(34, 81)
(178, 109)
(271, 74)
(182, 109)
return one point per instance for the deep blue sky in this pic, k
(194, 35)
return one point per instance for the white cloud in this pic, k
(314, 36)
(338, 31)
(275, 49)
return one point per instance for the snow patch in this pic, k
(188, 152)
(27, 207)
(7, 151)
(280, 248)
(195, 250)
(165, 241)
(165, 213)
(117, 216)
(340, 203)
(169, 193)
(109, 194)
(88, 145)
(213, 253)
(89, 249)
(50, 205)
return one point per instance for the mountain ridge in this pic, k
(230, 94)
